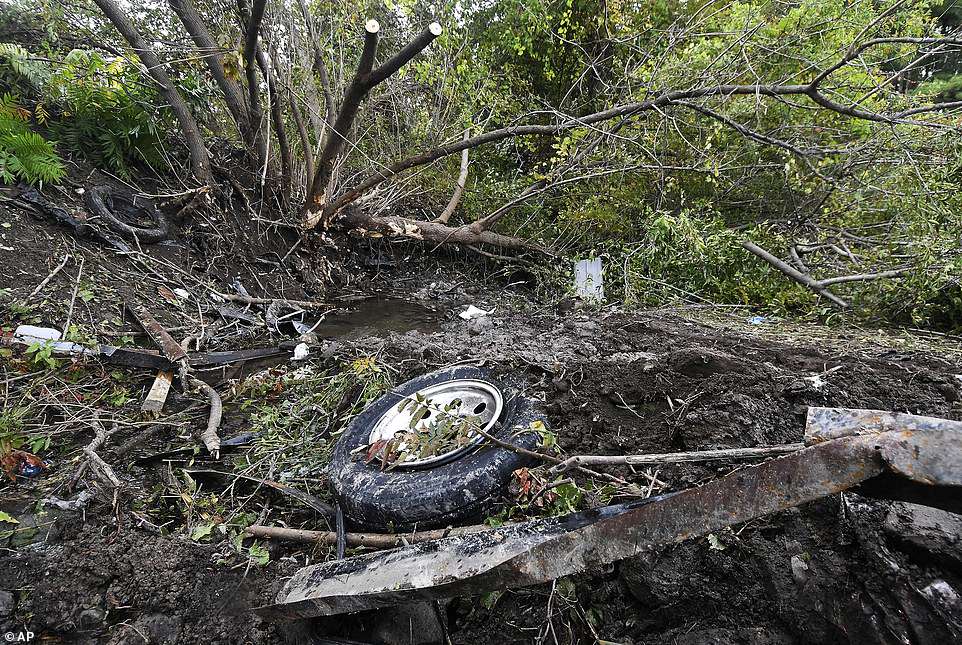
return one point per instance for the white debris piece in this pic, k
(182, 293)
(32, 334)
(473, 312)
(301, 351)
(589, 282)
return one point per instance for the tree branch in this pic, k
(459, 187)
(277, 119)
(250, 72)
(365, 78)
(793, 273)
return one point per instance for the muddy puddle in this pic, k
(377, 316)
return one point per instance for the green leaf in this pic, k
(201, 531)
(259, 554)
(6, 517)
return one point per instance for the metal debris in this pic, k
(542, 550)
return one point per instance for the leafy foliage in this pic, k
(24, 154)
(107, 111)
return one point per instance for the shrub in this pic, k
(24, 154)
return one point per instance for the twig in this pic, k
(105, 470)
(556, 460)
(678, 457)
(371, 540)
(248, 300)
(47, 279)
(305, 498)
(894, 273)
(73, 298)
(100, 438)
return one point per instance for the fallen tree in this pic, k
(330, 202)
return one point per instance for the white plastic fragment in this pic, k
(32, 334)
(589, 281)
(301, 351)
(182, 293)
(473, 312)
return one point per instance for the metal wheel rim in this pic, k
(476, 396)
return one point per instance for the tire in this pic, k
(103, 203)
(455, 492)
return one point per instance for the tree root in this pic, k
(209, 436)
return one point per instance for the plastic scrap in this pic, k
(589, 281)
(473, 312)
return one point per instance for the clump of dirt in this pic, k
(102, 586)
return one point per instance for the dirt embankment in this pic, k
(843, 569)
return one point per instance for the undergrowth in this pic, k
(298, 416)
(24, 154)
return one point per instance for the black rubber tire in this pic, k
(102, 202)
(448, 494)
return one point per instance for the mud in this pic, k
(839, 570)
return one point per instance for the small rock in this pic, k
(800, 570)
(478, 325)
(91, 618)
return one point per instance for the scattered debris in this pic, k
(76, 504)
(473, 312)
(157, 396)
(21, 463)
(301, 351)
(921, 453)
(117, 209)
(589, 280)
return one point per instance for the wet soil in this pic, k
(844, 569)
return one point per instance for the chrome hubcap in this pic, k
(461, 397)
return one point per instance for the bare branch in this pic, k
(459, 187)
(365, 78)
(793, 273)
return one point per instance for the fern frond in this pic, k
(21, 62)
(30, 157)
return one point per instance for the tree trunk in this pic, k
(277, 118)
(253, 24)
(199, 160)
(232, 91)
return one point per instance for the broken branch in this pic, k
(731, 454)
(793, 273)
(209, 435)
(370, 540)
(458, 189)
(248, 300)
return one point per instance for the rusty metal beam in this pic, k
(824, 424)
(164, 341)
(534, 552)
(542, 550)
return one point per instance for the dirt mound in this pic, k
(839, 570)
(134, 587)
